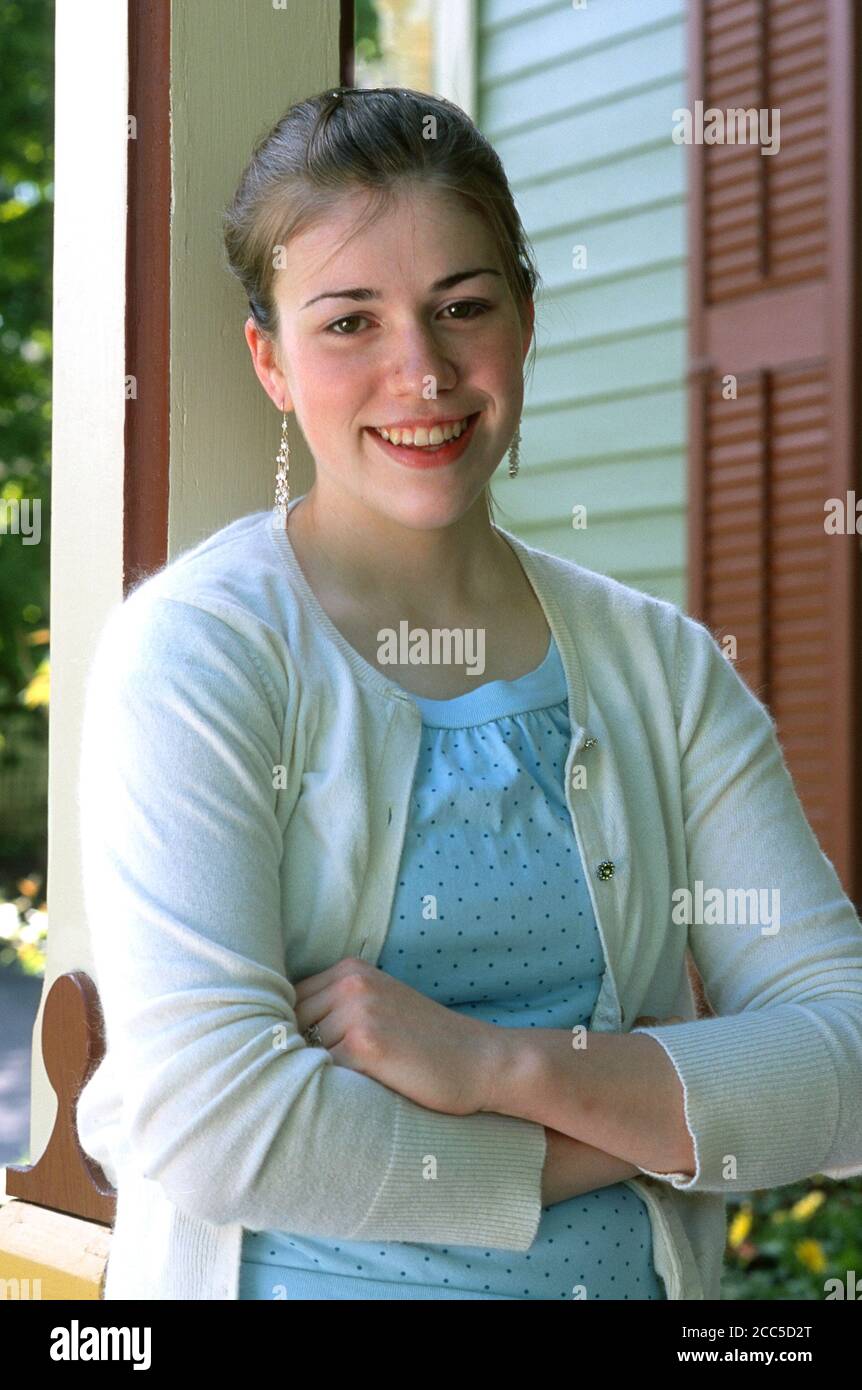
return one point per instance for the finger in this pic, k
(315, 1007)
(327, 1033)
(311, 984)
(343, 1057)
(332, 1019)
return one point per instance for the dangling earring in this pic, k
(515, 452)
(282, 477)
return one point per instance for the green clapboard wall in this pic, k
(578, 103)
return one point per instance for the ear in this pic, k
(264, 357)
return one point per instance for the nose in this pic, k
(418, 359)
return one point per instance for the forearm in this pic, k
(619, 1093)
(573, 1167)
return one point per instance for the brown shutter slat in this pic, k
(773, 302)
(799, 658)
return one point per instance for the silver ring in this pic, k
(312, 1036)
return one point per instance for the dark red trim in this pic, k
(699, 367)
(148, 259)
(346, 42)
(844, 319)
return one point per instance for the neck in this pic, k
(463, 566)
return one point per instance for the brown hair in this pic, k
(376, 139)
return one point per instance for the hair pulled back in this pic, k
(378, 140)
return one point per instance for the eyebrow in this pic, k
(445, 284)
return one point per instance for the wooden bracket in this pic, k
(65, 1178)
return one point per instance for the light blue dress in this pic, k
(492, 917)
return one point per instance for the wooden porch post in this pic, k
(161, 431)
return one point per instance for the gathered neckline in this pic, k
(562, 642)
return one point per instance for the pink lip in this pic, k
(428, 458)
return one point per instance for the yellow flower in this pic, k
(810, 1253)
(807, 1205)
(740, 1226)
(38, 692)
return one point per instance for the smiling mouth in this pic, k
(437, 455)
(441, 451)
(426, 437)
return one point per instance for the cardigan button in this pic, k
(590, 742)
(605, 869)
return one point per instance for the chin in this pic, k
(428, 513)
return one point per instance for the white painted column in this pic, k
(235, 68)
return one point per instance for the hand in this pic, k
(380, 1027)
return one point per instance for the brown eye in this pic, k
(464, 304)
(350, 318)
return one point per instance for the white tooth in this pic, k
(422, 438)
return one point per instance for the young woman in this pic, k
(427, 797)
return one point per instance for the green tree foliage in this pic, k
(366, 30)
(26, 225)
(790, 1242)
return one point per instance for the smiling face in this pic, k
(370, 325)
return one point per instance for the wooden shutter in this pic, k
(773, 301)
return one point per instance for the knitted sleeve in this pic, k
(772, 1083)
(223, 1102)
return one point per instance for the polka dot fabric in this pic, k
(492, 917)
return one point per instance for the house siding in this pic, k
(578, 103)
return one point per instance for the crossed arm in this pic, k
(620, 1094)
(618, 1100)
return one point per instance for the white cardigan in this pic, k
(244, 793)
